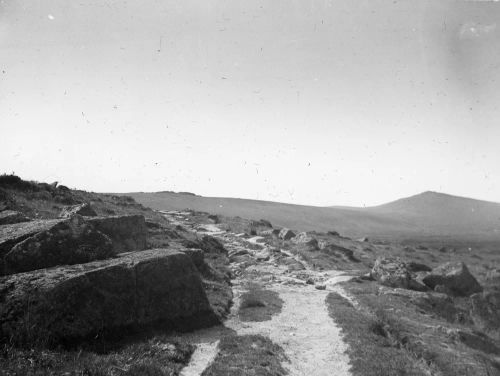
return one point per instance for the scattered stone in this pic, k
(63, 305)
(127, 232)
(263, 255)
(82, 209)
(363, 240)
(286, 234)
(309, 281)
(320, 287)
(214, 218)
(8, 217)
(340, 251)
(455, 276)
(68, 242)
(237, 252)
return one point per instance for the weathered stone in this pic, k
(307, 240)
(286, 234)
(82, 209)
(485, 312)
(72, 241)
(456, 277)
(8, 217)
(196, 256)
(339, 251)
(63, 305)
(127, 232)
(12, 234)
(276, 232)
(394, 273)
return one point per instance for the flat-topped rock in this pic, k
(127, 232)
(72, 241)
(12, 234)
(8, 217)
(65, 304)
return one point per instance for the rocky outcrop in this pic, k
(68, 242)
(454, 277)
(82, 209)
(8, 217)
(393, 272)
(63, 305)
(286, 234)
(305, 239)
(339, 251)
(12, 234)
(127, 232)
(485, 312)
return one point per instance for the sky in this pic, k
(317, 102)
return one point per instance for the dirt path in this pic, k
(308, 335)
(310, 338)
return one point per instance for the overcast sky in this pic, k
(315, 102)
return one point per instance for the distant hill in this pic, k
(426, 216)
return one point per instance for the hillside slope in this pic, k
(427, 216)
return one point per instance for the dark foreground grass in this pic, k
(159, 356)
(258, 304)
(370, 351)
(247, 355)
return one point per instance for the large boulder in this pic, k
(139, 289)
(286, 234)
(485, 312)
(8, 217)
(127, 232)
(12, 234)
(454, 277)
(72, 241)
(393, 272)
(305, 239)
(339, 251)
(82, 209)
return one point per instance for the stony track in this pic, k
(310, 338)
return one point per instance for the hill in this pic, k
(429, 216)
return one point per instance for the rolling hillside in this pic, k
(427, 216)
